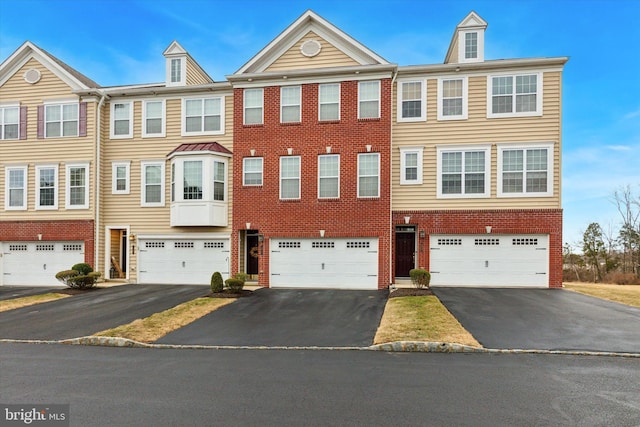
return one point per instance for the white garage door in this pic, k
(182, 261)
(489, 260)
(324, 263)
(36, 263)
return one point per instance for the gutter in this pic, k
(391, 228)
(98, 168)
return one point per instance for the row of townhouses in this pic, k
(317, 164)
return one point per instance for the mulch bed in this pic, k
(224, 294)
(410, 292)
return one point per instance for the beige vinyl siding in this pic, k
(477, 129)
(329, 56)
(194, 75)
(454, 50)
(50, 151)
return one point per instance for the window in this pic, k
(290, 177)
(176, 70)
(9, 122)
(253, 99)
(122, 120)
(329, 176)
(252, 171)
(152, 191)
(61, 120)
(369, 100)
(47, 187)
(452, 99)
(463, 171)
(512, 96)
(412, 98)
(120, 177)
(290, 104)
(329, 102)
(470, 45)
(153, 118)
(219, 181)
(369, 175)
(15, 188)
(525, 170)
(192, 180)
(77, 183)
(410, 165)
(203, 116)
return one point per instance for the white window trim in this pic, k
(299, 177)
(225, 182)
(68, 204)
(465, 98)
(244, 107)
(423, 101)
(361, 100)
(549, 146)
(114, 177)
(244, 184)
(61, 104)
(162, 132)
(462, 46)
(320, 119)
(358, 176)
(539, 96)
(55, 191)
(143, 183)
(325, 156)
(298, 104)
(183, 71)
(112, 120)
(464, 148)
(4, 107)
(184, 116)
(25, 190)
(403, 152)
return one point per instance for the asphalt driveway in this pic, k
(543, 319)
(93, 311)
(289, 317)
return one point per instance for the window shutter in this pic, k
(40, 121)
(82, 131)
(23, 122)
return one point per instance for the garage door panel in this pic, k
(36, 263)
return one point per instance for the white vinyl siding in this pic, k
(252, 171)
(290, 177)
(152, 183)
(77, 186)
(514, 95)
(369, 99)
(464, 171)
(412, 101)
(290, 104)
(122, 120)
(329, 176)
(525, 170)
(153, 121)
(253, 106)
(120, 177)
(329, 102)
(452, 99)
(9, 122)
(61, 120)
(15, 188)
(410, 165)
(46, 187)
(369, 175)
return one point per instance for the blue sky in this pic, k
(118, 42)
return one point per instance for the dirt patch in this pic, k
(410, 292)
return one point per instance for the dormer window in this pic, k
(176, 70)
(471, 47)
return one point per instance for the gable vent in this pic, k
(310, 48)
(32, 76)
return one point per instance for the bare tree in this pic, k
(628, 206)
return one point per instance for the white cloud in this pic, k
(632, 114)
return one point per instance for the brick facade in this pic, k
(346, 216)
(72, 230)
(508, 221)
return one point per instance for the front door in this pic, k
(405, 251)
(252, 254)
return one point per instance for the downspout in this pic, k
(96, 239)
(393, 80)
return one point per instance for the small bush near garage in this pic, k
(420, 278)
(81, 276)
(234, 285)
(241, 276)
(217, 284)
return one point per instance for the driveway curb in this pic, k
(398, 346)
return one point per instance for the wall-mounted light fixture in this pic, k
(488, 228)
(407, 219)
(132, 239)
(423, 234)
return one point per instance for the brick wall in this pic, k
(347, 216)
(72, 230)
(510, 221)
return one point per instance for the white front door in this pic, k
(36, 263)
(182, 261)
(489, 260)
(324, 263)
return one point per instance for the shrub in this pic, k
(241, 276)
(83, 268)
(217, 284)
(66, 275)
(620, 278)
(420, 278)
(234, 285)
(81, 276)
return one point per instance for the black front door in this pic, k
(405, 249)
(252, 254)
